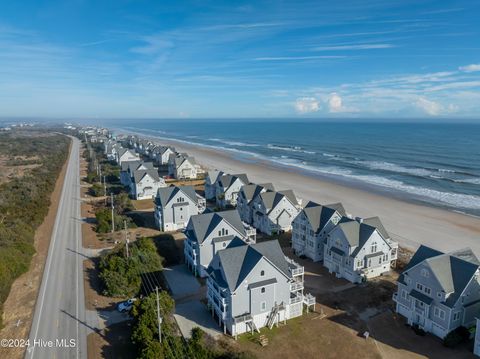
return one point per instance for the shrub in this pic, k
(456, 336)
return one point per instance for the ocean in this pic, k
(434, 164)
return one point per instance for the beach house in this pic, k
(438, 292)
(145, 183)
(311, 226)
(227, 188)
(274, 212)
(207, 233)
(254, 286)
(182, 166)
(245, 197)
(163, 153)
(210, 184)
(126, 155)
(175, 205)
(359, 249)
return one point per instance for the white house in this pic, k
(145, 184)
(274, 212)
(359, 249)
(254, 286)
(439, 292)
(128, 168)
(126, 155)
(163, 154)
(227, 188)
(245, 197)
(211, 183)
(207, 233)
(182, 166)
(311, 226)
(175, 205)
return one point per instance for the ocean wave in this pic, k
(234, 143)
(290, 148)
(391, 167)
(468, 180)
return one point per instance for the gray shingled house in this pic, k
(245, 197)
(255, 286)
(359, 249)
(175, 205)
(227, 188)
(208, 233)
(311, 227)
(439, 291)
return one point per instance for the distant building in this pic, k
(254, 286)
(311, 227)
(126, 155)
(439, 292)
(246, 196)
(211, 183)
(175, 205)
(274, 212)
(182, 166)
(208, 233)
(145, 183)
(227, 188)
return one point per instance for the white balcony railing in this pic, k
(296, 286)
(296, 299)
(309, 299)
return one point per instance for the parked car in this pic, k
(126, 305)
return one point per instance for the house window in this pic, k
(439, 313)
(425, 273)
(420, 287)
(374, 247)
(263, 290)
(404, 294)
(359, 263)
(439, 295)
(380, 260)
(427, 290)
(262, 273)
(224, 244)
(264, 305)
(456, 316)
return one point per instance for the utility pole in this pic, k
(104, 189)
(113, 220)
(159, 319)
(126, 236)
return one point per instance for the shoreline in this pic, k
(411, 224)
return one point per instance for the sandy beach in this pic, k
(410, 224)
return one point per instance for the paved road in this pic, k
(60, 308)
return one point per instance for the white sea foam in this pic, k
(468, 180)
(234, 143)
(290, 149)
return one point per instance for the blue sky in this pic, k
(230, 59)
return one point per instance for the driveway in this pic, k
(190, 312)
(181, 281)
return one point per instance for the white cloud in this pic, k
(470, 68)
(335, 103)
(307, 105)
(431, 108)
(354, 47)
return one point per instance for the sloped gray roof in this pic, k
(250, 191)
(452, 270)
(125, 164)
(138, 175)
(422, 253)
(203, 224)
(165, 194)
(375, 222)
(356, 233)
(338, 207)
(227, 180)
(238, 262)
(271, 199)
(180, 159)
(213, 175)
(452, 273)
(318, 215)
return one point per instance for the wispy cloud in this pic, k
(296, 58)
(470, 68)
(353, 47)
